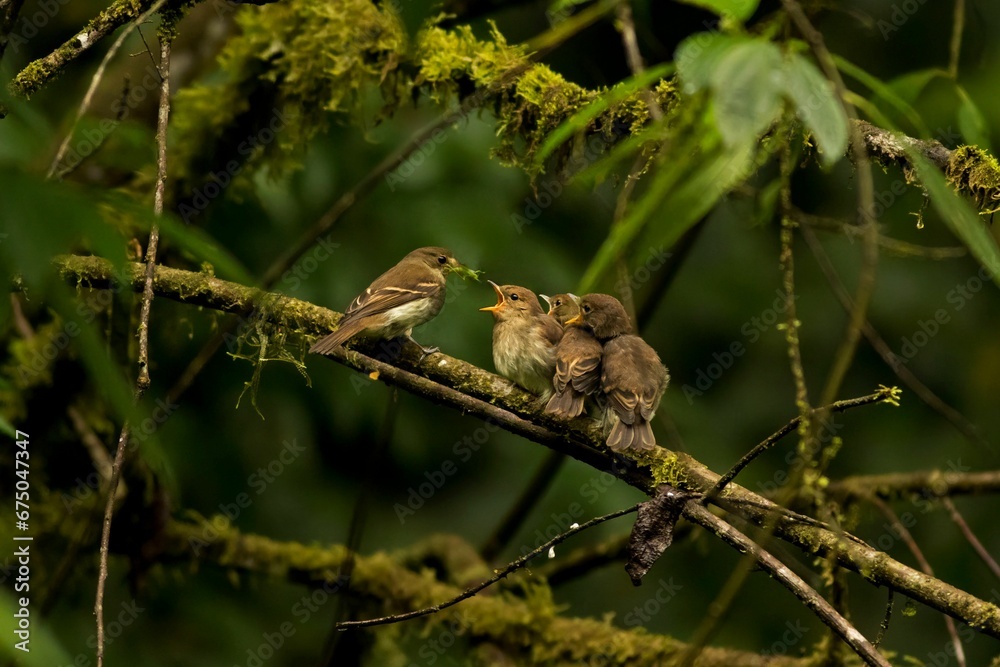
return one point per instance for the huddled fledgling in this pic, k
(580, 354)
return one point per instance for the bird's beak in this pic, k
(576, 321)
(500, 299)
(575, 298)
(548, 301)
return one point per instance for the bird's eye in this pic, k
(442, 259)
(513, 297)
(586, 309)
(558, 302)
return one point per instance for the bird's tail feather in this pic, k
(566, 403)
(638, 436)
(344, 333)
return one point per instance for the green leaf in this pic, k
(680, 194)
(909, 86)
(971, 122)
(579, 121)
(884, 94)
(748, 86)
(740, 9)
(818, 107)
(957, 213)
(698, 56)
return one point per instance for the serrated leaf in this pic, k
(748, 86)
(740, 9)
(818, 107)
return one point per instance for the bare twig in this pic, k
(866, 206)
(883, 627)
(955, 45)
(907, 537)
(956, 418)
(513, 565)
(929, 483)
(142, 381)
(956, 516)
(519, 512)
(887, 243)
(883, 395)
(696, 513)
(95, 81)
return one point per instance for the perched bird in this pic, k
(578, 360)
(524, 339)
(405, 296)
(632, 377)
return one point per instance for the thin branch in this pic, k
(698, 514)
(495, 618)
(512, 566)
(883, 627)
(517, 514)
(95, 81)
(866, 206)
(38, 73)
(883, 395)
(956, 516)
(887, 243)
(932, 400)
(955, 45)
(586, 559)
(907, 537)
(478, 393)
(927, 483)
(142, 381)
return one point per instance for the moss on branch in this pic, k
(460, 385)
(525, 626)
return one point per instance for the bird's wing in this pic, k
(552, 331)
(386, 293)
(579, 364)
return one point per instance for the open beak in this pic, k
(548, 301)
(500, 299)
(576, 321)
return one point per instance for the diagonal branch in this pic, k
(457, 384)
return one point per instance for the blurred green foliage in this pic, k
(715, 324)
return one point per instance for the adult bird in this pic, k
(406, 296)
(524, 339)
(632, 377)
(578, 360)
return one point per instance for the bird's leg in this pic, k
(425, 351)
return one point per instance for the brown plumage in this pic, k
(632, 377)
(524, 339)
(578, 360)
(407, 295)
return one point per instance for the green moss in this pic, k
(295, 63)
(307, 61)
(973, 170)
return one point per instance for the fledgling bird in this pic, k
(632, 377)
(407, 295)
(524, 339)
(578, 360)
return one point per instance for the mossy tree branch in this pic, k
(460, 385)
(930, 484)
(529, 627)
